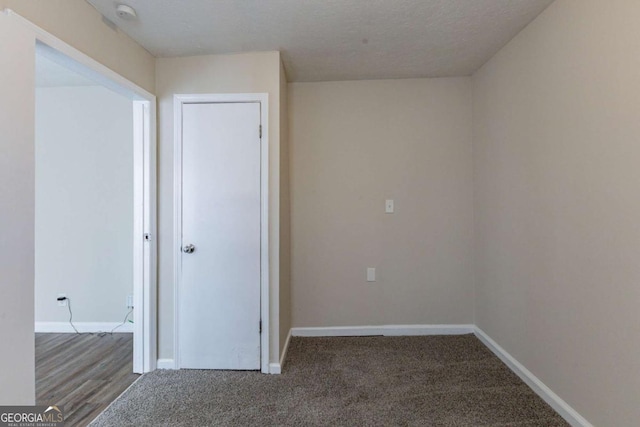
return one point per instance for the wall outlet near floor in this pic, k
(129, 301)
(62, 303)
(371, 274)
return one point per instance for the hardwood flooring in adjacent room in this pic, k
(84, 373)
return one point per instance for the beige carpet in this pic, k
(369, 381)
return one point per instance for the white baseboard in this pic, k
(384, 330)
(276, 368)
(560, 406)
(337, 331)
(82, 327)
(422, 330)
(166, 364)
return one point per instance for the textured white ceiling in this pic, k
(324, 40)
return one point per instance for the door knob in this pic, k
(188, 249)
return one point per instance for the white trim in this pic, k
(383, 330)
(149, 297)
(82, 327)
(178, 101)
(145, 282)
(166, 364)
(276, 368)
(560, 406)
(337, 331)
(138, 230)
(144, 292)
(423, 330)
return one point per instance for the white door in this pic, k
(219, 290)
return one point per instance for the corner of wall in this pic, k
(17, 166)
(555, 131)
(474, 237)
(285, 217)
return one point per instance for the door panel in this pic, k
(219, 295)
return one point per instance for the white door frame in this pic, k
(144, 248)
(178, 102)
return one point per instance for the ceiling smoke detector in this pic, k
(126, 13)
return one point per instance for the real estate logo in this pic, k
(31, 416)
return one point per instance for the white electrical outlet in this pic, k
(62, 303)
(129, 301)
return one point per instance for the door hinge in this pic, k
(260, 326)
(260, 131)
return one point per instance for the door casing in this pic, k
(178, 101)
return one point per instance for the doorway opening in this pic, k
(95, 252)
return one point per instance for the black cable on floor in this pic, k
(71, 315)
(123, 322)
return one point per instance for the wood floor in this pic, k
(84, 373)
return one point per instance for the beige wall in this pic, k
(242, 73)
(353, 145)
(77, 23)
(556, 127)
(285, 214)
(17, 195)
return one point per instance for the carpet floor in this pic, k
(363, 381)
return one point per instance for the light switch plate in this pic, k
(371, 274)
(388, 206)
